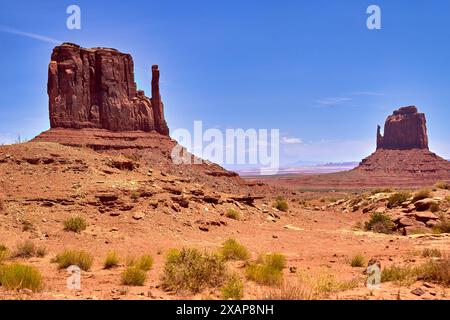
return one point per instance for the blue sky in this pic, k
(310, 68)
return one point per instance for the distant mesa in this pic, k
(405, 129)
(95, 88)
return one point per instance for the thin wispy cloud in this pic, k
(346, 99)
(334, 101)
(30, 35)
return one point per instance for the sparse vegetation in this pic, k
(4, 253)
(437, 271)
(41, 252)
(111, 260)
(233, 250)
(18, 276)
(191, 270)
(26, 250)
(233, 289)
(443, 226)
(135, 195)
(75, 224)
(397, 274)
(357, 261)
(434, 207)
(80, 258)
(443, 185)
(233, 214)
(27, 226)
(133, 276)
(421, 194)
(145, 262)
(323, 283)
(396, 199)
(292, 290)
(430, 253)
(381, 190)
(267, 270)
(379, 222)
(281, 204)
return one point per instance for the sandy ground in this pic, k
(318, 243)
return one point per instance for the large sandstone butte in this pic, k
(94, 103)
(95, 88)
(403, 150)
(405, 129)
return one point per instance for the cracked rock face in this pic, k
(405, 129)
(95, 88)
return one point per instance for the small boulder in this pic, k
(138, 215)
(424, 204)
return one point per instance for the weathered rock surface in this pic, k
(403, 130)
(95, 88)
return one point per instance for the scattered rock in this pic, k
(138, 215)
(418, 292)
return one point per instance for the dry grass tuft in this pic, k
(75, 224)
(18, 276)
(233, 250)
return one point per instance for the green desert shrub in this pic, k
(133, 276)
(233, 214)
(357, 261)
(79, 258)
(421, 194)
(379, 222)
(396, 199)
(233, 289)
(233, 250)
(75, 224)
(18, 276)
(192, 270)
(267, 270)
(281, 204)
(111, 260)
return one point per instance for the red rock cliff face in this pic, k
(95, 88)
(405, 129)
